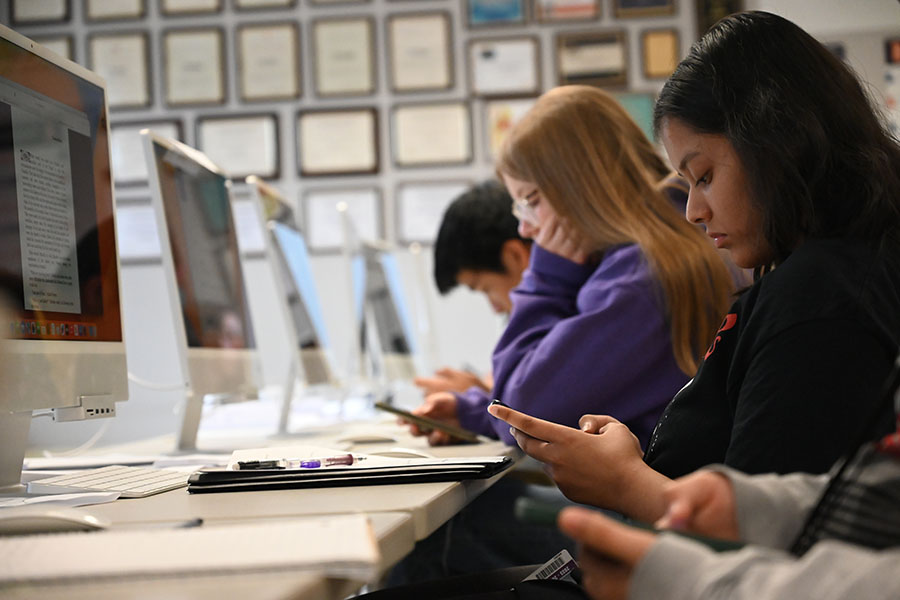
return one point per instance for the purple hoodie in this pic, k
(582, 339)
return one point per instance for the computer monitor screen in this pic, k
(200, 255)
(302, 300)
(63, 343)
(387, 332)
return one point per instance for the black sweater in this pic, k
(795, 371)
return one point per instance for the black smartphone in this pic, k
(546, 513)
(426, 423)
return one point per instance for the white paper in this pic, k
(122, 61)
(269, 58)
(241, 146)
(587, 59)
(336, 142)
(344, 63)
(436, 133)
(39, 10)
(179, 6)
(259, 3)
(504, 66)
(418, 50)
(109, 9)
(194, 67)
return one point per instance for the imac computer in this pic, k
(202, 266)
(62, 345)
(385, 333)
(296, 296)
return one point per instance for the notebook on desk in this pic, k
(363, 470)
(338, 546)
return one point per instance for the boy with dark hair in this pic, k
(479, 246)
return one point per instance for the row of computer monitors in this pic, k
(63, 343)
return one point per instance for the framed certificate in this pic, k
(419, 49)
(432, 134)
(194, 72)
(129, 165)
(256, 4)
(499, 67)
(28, 12)
(337, 142)
(566, 10)
(344, 56)
(594, 58)
(121, 59)
(241, 146)
(660, 51)
(190, 7)
(322, 221)
(643, 8)
(136, 232)
(892, 51)
(61, 44)
(108, 10)
(268, 61)
(480, 13)
(420, 207)
(500, 117)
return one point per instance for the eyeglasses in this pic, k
(523, 208)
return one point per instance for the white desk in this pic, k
(393, 531)
(401, 515)
(430, 505)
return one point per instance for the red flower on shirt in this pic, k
(729, 322)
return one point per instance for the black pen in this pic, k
(247, 465)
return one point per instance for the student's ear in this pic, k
(515, 255)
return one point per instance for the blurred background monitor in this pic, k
(385, 323)
(275, 206)
(205, 282)
(62, 340)
(304, 308)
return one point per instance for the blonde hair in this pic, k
(597, 169)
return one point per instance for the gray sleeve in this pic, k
(771, 509)
(680, 569)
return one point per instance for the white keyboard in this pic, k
(130, 482)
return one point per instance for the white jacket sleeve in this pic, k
(677, 568)
(771, 509)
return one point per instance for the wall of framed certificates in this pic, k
(325, 98)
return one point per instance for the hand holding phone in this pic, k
(546, 513)
(427, 424)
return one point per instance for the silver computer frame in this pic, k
(51, 374)
(206, 370)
